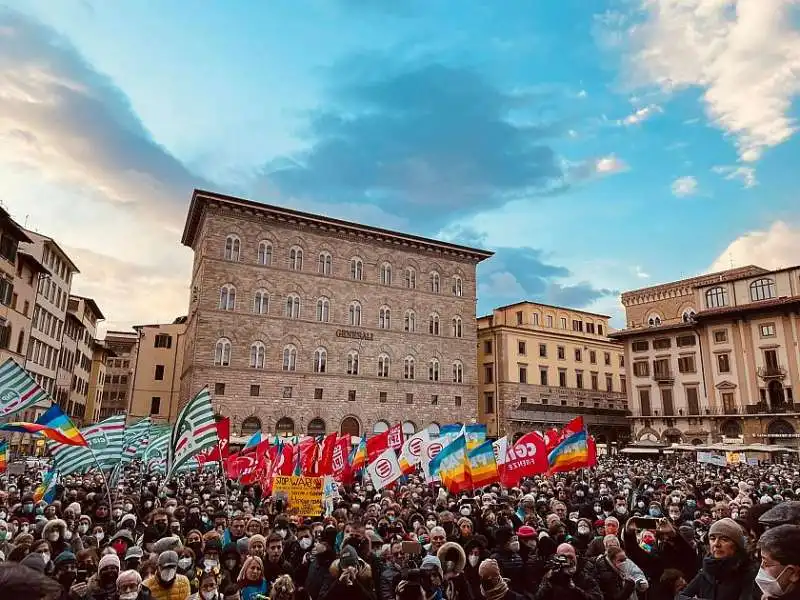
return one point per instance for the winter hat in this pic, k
(74, 508)
(730, 529)
(526, 531)
(108, 560)
(489, 569)
(256, 538)
(243, 545)
(167, 543)
(64, 558)
(432, 562)
(35, 561)
(134, 552)
(168, 558)
(464, 521)
(129, 576)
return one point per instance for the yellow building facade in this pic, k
(539, 366)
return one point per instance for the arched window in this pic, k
(323, 310)
(408, 367)
(383, 365)
(435, 282)
(410, 277)
(265, 253)
(433, 370)
(434, 429)
(458, 286)
(688, 315)
(352, 363)
(410, 321)
(296, 258)
(324, 267)
(458, 372)
(409, 428)
(354, 313)
(762, 289)
(350, 426)
(233, 246)
(433, 324)
(284, 427)
(222, 352)
(320, 360)
(386, 274)
(731, 428)
(716, 297)
(292, 309)
(258, 354)
(227, 297)
(356, 268)
(654, 321)
(384, 318)
(316, 427)
(380, 427)
(289, 358)
(457, 327)
(261, 302)
(250, 426)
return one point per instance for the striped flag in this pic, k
(47, 489)
(105, 448)
(155, 452)
(135, 435)
(194, 431)
(18, 390)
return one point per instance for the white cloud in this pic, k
(640, 115)
(640, 273)
(747, 175)
(583, 94)
(772, 249)
(501, 284)
(743, 54)
(684, 186)
(609, 164)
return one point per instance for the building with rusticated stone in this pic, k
(539, 366)
(715, 358)
(304, 324)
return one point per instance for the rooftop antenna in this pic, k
(26, 221)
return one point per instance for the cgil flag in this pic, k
(194, 431)
(105, 442)
(135, 435)
(18, 390)
(53, 424)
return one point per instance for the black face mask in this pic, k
(67, 578)
(108, 578)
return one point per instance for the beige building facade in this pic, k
(539, 366)
(121, 365)
(97, 379)
(156, 382)
(300, 323)
(715, 358)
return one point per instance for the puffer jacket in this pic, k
(724, 579)
(179, 590)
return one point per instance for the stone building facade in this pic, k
(715, 358)
(300, 323)
(122, 350)
(540, 366)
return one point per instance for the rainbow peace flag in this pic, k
(358, 460)
(475, 434)
(482, 465)
(572, 453)
(452, 466)
(53, 424)
(3, 456)
(47, 489)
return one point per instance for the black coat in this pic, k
(724, 579)
(612, 583)
(511, 567)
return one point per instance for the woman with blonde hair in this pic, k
(251, 580)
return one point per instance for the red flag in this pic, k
(592, 451)
(395, 437)
(237, 465)
(552, 437)
(213, 454)
(574, 426)
(308, 449)
(526, 458)
(326, 454)
(376, 445)
(340, 466)
(285, 460)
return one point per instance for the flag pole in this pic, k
(222, 471)
(105, 479)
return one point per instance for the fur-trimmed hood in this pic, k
(364, 571)
(54, 524)
(452, 557)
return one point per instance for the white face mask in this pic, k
(305, 543)
(473, 560)
(210, 563)
(430, 524)
(67, 535)
(209, 595)
(281, 532)
(769, 584)
(185, 563)
(82, 529)
(99, 535)
(168, 574)
(129, 595)
(583, 531)
(514, 546)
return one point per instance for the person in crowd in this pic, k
(251, 581)
(129, 586)
(166, 583)
(779, 572)
(612, 579)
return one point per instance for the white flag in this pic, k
(385, 469)
(500, 448)
(411, 455)
(429, 451)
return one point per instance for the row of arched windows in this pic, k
(291, 310)
(760, 289)
(320, 362)
(285, 426)
(408, 279)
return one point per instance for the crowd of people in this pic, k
(625, 530)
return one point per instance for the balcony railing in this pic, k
(771, 372)
(664, 375)
(775, 408)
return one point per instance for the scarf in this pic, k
(496, 592)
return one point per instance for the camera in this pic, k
(558, 563)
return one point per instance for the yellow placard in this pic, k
(304, 494)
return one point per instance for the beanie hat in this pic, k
(74, 508)
(167, 543)
(489, 569)
(34, 561)
(243, 545)
(256, 538)
(134, 552)
(464, 521)
(65, 557)
(168, 558)
(432, 562)
(730, 529)
(526, 531)
(108, 560)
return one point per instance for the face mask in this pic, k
(209, 595)
(170, 510)
(621, 510)
(654, 512)
(99, 535)
(598, 509)
(82, 529)
(116, 513)
(27, 507)
(281, 532)
(305, 543)
(46, 557)
(168, 574)
(769, 584)
(67, 578)
(473, 560)
(53, 536)
(583, 531)
(514, 546)
(128, 507)
(210, 563)
(466, 511)
(640, 504)
(67, 535)
(148, 505)
(431, 524)
(129, 595)
(184, 563)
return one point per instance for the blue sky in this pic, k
(595, 146)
